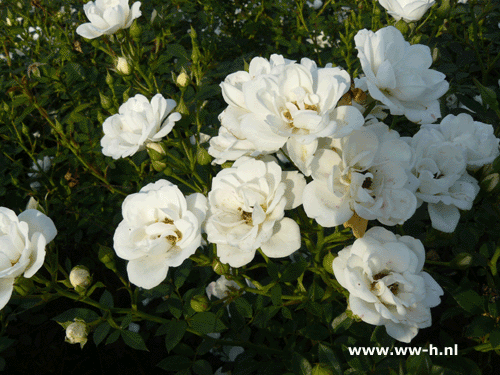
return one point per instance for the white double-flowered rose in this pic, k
(279, 101)
(440, 167)
(398, 75)
(247, 205)
(160, 229)
(107, 17)
(383, 274)
(22, 246)
(138, 122)
(366, 173)
(476, 139)
(41, 165)
(408, 10)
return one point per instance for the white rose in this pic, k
(476, 139)
(22, 246)
(279, 100)
(160, 229)
(41, 165)
(365, 172)
(398, 75)
(138, 122)
(246, 211)
(221, 288)
(440, 167)
(383, 274)
(408, 10)
(107, 17)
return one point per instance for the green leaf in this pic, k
(113, 337)
(5, 342)
(488, 95)
(495, 338)
(468, 299)
(101, 332)
(126, 321)
(294, 270)
(315, 331)
(70, 315)
(134, 340)
(181, 274)
(300, 365)
(328, 357)
(202, 367)
(243, 306)
(174, 334)
(276, 295)
(107, 299)
(480, 326)
(206, 322)
(419, 364)
(175, 306)
(272, 270)
(175, 363)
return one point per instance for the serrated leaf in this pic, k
(468, 299)
(134, 340)
(175, 331)
(175, 363)
(206, 322)
(107, 299)
(202, 367)
(101, 332)
(294, 270)
(300, 365)
(276, 295)
(328, 357)
(495, 338)
(70, 315)
(419, 364)
(113, 337)
(126, 321)
(243, 306)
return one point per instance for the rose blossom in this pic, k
(398, 75)
(246, 211)
(366, 173)
(383, 274)
(221, 287)
(278, 101)
(440, 167)
(22, 246)
(138, 121)
(160, 229)
(476, 139)
(107, 17)
(408, 10)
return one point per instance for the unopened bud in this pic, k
(402, 26)
(202, 156)
(328, 262)
(490, 183)
(219, 267)
(122, 66)
(106, 101)
(462, 261)
(80, 278)
(156, 150)
(199, 303)
(107, 256)
(109, 79)
(135, 30)
(76, 333)
(182, 80)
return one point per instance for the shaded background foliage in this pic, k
(64, 87)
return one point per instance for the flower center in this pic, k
(246, 216)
